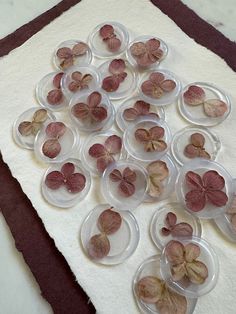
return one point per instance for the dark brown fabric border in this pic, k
(198, 29)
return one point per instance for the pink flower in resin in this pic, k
(152, 139)
(117, 69)
(156, 86)
(91, 110)
(105, 153)
(55, 96)
(108, 35)
(51, 147)
(196, 148)
(126, 181)
(181, 229)
(147, 53)
(205, 189)
(67, 55)
(196, 96)
(140, 108)
(27, 128)
(79, 81)
(73, 181)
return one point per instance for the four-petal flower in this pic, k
(79, 81)
(117, 69)
(68, 55)
(108, 35)
(152, 139)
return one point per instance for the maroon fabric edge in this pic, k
(198, 29)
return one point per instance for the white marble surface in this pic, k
(19, 289)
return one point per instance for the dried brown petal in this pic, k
(129, 175)
(64, 53)
(77, 76)
(191, 151)
(113, 144)
(87, 78)
(55, 129)
(138, 49)
(25, 128)
(149, 289)
(98, 246)
(106, 31)
(126, 189)
(158, 169)
(130, 114)
(66, 63)
(75, 183)
(155, 187)
(204, 154)
(79, 49)
(197, 272)
(57, 80)
(192, 252)
(68, 169)
(171, 219)
(197, 139)
(172, 303)
(215, 108)
(110, 84)
(194, 96)
(40, 115)
(115, 175)
(175, 252)
(178, 271)
(54, 97)
(142, 135)
(156, 132)
(158, 146)
(36, 126)
(109, 221)
(54, 180)
(182, 229)
(51, 148)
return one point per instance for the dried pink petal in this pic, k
(87, 78)
(126, 189)
(165, 231)
(129, 175)
(149, 289)
(195, 200)
(152, 44)
(55, 129)
(113, 144)
(194, 96)
(142, 107)
(66, 63)
(158, 169)
(197, 139)
(172, 302)
(57, 80)
(54, 180)
(156, 77)
(217, 198)
(64, 53)
(212, 180)
(68, 169)
(215, 108)
(155, 187)
(117, 66)
(152, 90)
(98, 246)
(75, 183)
(158, 146)
(103, 162)
(36, 126)
(109, 221)
(113, 44)
(80, 111)
(110, 84)
(197, 272)
(130, 114)
(171, 219)
(193, 180)
(77, 76)
(182, 229)
(98, 114)
(40, 115)
(168, 85)
(79, 49)
(191, 151)
(138, 49)
(115, 175)
(178, 271)
(142, 135)
(25, 128)
(94, 99)
(106, 31)
(175, 252)
(51, 148)
(97, 150)
(54, 97)
(192, 252)
(156, 132)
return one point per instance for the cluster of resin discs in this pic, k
(134, 163)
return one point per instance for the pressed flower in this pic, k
(157, 172)
(181, 229)
(98, 246)
(153, 290)
(74, 182)
(126, 181)
(205, 189)
(108, 35)
(67, 55)
(117, 69)
(156, 86)
(55, 96)
(147, 53)
(27, 128)
(91, 110)
(184, 263)
(109, 221)
(196, 96)
(152, 139)
(196, 148)
(51, 147)
(104, 153)
(140, 108)
(79, 81)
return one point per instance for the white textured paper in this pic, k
(110, 287)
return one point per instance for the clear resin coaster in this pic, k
(56, 142)
(192, 142)
(91, 111)
(190, 266)
(124, 184)
(146, 51)
(100, 150)
(204, 104)
(49, 92)
(148, 139)
(133, 108)
(172, 220)
(28, 124)
(119, 78)
(205, 188)
(71, 52)
(80, 78)
(109, 39)
(109, 236)
(160, 87)
(66, 184)
(152, 294)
